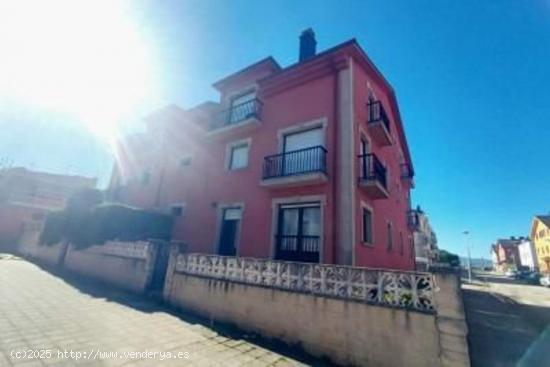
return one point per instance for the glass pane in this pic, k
(289, 222)
(232, 214)
(367, 226)
(239, 157)
(305, 139)
(243, 99)
(311, 222)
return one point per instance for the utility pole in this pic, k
(466, 233)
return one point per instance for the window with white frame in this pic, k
(367, 226)
(238, 156)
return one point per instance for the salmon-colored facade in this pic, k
(305, 163)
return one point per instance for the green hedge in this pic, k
(84, 227)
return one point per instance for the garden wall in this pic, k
(127, 265)
(353, 316)
(28, 245)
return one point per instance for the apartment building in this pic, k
(307, 162)
(424, 238)
(26, 195)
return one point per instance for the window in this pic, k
(299, 232)
(145, 176)
(176, 210)
(241, 107)
(367, 226)
(411, 245)
(185, 161)
(390, 236)
(541, 233)
(238, 157)
(302, 153)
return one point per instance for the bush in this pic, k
(99, 224)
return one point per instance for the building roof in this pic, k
(544, 219)
(268, 62)
(508, 242)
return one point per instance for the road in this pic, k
(508, 322)
(70, 321)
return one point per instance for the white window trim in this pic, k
(364, 205)
(303, 126)
(219, 218)
(229, 151)
(277, 202)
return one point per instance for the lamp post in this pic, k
(466, 233)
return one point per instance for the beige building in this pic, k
(425, 240)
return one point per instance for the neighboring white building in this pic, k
(527, 254)
(425, 240)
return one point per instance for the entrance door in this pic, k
(228, 234)
(296, 158)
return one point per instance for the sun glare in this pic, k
(84, 59)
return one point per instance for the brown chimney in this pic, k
(308, 44)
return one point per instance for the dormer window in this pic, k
(242, 106)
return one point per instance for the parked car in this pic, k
(545, 280)
(532, 278)
(511, 274)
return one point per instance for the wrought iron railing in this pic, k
(407, 172)
(298, 248)
(238, 113)
(377, 113)
(409, 290)
(296, 162)
(372, 169)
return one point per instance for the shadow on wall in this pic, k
(503, 332)
(149, 304)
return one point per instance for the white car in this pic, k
(545, 280)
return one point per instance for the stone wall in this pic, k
(353, 316)
(127, 265)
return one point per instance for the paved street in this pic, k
(50, 315)
(509, 322)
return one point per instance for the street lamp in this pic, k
(466, 233)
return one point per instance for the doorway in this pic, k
(230, 225)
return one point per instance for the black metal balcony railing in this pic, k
(238, 113)
(378, 113)
(297, 162)
(412, 220)
(406, 171)
(298, 248)
(372, 169)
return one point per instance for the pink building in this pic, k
(307, 163)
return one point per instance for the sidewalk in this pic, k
(44, 314)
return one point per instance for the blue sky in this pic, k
(472, 80)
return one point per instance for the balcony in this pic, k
(379, 123)
(412, 220)
(373, 177)
(407, 172)
(296, 168)
(239, 117)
